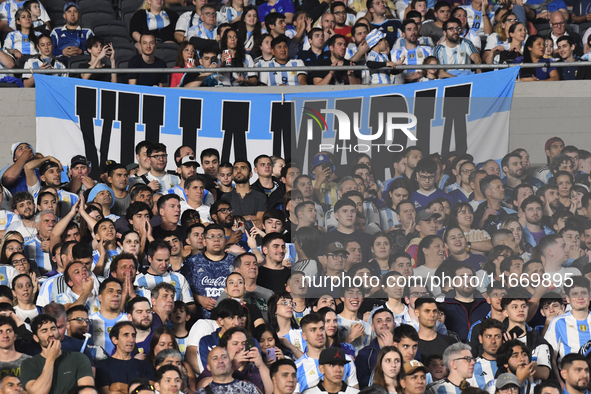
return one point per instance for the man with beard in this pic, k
(338, 48)
(114, 374)
(491, 338)
(221, 213)
(534, 230)
(206, 272)
(38, 248)
(550, 200)
(245, 201)
(40, 374)
(272, 273)
(430, 341)
(513, 357)
(412, 52)
(23, 205)
(139, 312)
(460, 364)
(157, 179)
(456, 50)
(78, 322)
(513, 170)
(575, 372)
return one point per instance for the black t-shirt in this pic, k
(436, 346)
(467, 305)
(113, 370)
(96, 77)
(274, 280)
(147, 79)
(335, 235)
(139, 23)
(339, 77)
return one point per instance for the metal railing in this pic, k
(106, 70)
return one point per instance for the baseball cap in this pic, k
(551, 141)
(334, 248)
(506, 379)
(413, 366)
(71, 4)
(374, 37)
(333, 355)
(132, 166)
(16, 145)
(320, 159)
(46, 166)
(427, 214)
(188, 160)
(78, 159)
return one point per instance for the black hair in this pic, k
(40, 320)
(406, 331)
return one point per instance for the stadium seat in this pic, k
(95, 6)
(130, 6)
(76, 61)
(57, 18)
(55, 6)
(124, 53)
(21, 62)
(121, 42)
(87, 19)
(111, 29)
(180, 9)
(167, 52)
(127, 18)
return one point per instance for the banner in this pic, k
(105, 121)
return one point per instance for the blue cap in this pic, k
(71, 4)
(374, 37)
(320, 159)
(99, 188)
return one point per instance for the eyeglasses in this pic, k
(467, 358)
(426, 178)
(216, 236)
(454, 28)
(511, 20)
(159, 157)
(286, 303)
(225, 210)
(208, 13)
(341, 256)
(418, 294)
(17, 263)
(558, 24)
(80, 320)
(189, 50)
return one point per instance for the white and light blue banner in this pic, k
(105, 120)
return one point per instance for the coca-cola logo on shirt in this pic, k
(217, 282)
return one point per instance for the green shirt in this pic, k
(67, 370)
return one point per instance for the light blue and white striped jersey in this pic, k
(66, 200)
(201, 32)
(229, 13)
(351, 51)
(92, 303)
(101, 327)
(473, 37)
(35, 63)
(443, 386)
(6, 218)
(184, 23)
(182, 342)
(345, 329)
(484, 372)
(586, 57)
(28, 233)
(183, 291)
(566, 334)
(492, 41)
(412, 56)
(388, 219)
(9, 8)
(16, 40)
(298, 316)
(378, 77)
(158, 21)
(295, 338)
(422, 41)
(34, 252)
(48, 288)
(460, 54)
(276, 78)
(248, 62)
(7, 274)
(475, 19)
(309, 375)
(108, 259)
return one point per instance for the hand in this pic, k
(309, 23)
(575, 252)
(225, 57)
(234, 237)
(588, 17)
(507, 336)
(103, 52)
(410, 228)
(484, 6)
(208, 303)
(88, 182)
(255, 357)
(88, 285)
(278, 353)
(102, 249)
(489, 212)
(387, 338)
(45, 246)
(498, 48)
(357, 330)
(241, 358)
(287, 263)
(323, 176)
(251, 240)
(54, 350)
(17, 54)
(35, 281)
(45, 66)
(363, 47)
(140, 356)
(154, 185)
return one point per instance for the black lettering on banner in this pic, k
(456, 106)
(300, 144)
(108, 110)
(349, 106)
(190, 120)
(86, 112)
(424, 110)
(153, 116)
(281, 124)
(128, 115)
(385, 104)
(235, 125)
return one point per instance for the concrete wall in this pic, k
(540, 110)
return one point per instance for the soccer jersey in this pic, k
(475, 19)
(567, 334)
(203, 211)
(309, 375)
(35, 63)
(108, 259)
(412, 56)
(17, 225)
(9, 8)
(6, 218)
(63, 37)
(92, 303)
(280, 6)
(460, 54)
(65, 199)
(493, 41)
(201, 32)
(421, 200)
(7, 274)
(391, 28)
(182, 343)
(16, 40)
(295, 338)
(179, 191)
(422, 41)
(50, 289)
(388, 219)
(158, 21)
(186, 21)
(484, 372)
(378, 77)
(101, 327)
(183, 292)
(229, 14)
(345, 329)
(276, 78)
(34, 252)
(443, 386)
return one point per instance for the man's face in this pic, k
(120, 179)
(555, 149)
(465, 289)
(141, 317)
(80, 171)
(78, 274)
(211, 165)
(426, 181)
(11, 385)
(164, 302)
(139, 220)
(492, 168)
(71, 15)
(328, 21)
(567, 166)
(275, 251)
(279, 27)
(26, 209)
(187, 170)
(427, 315)
(346, 216)
(558, 25)
(403, 265)
(218, 362)
(104, 198)
(46, 224)
(552, 198)
(427, 227)
(175, 245)
(407, 214)
(383, 322)
(360, 34)
(578, 297)
(160, 262)
(408, 348)
(241, 173)
(378, 7)
(46, 334)
(148, 46)
(411, 33)
(224, 216)
(495, 299)
(453, 32)
(22, 148)
(215, 241)
(73, 234)
(565, 50)
(354, 250)
(143, 159)
(496, 191)
(336, 261)
(264, 167)
(524, 160)
(523, 193)
(110, 298)
(196, 238)
(170, 383)
(516, 311)
(571, 238)
(332, 372)
(293, 172)
(463, 366)
(518, 358)
(78, 324)
(491, 339)
(209, 60)
(465, 172)
(576, 375)
(195, 191)
(145, 196)
(574, 155)
(126, 339)
(7, 337)
(171, 211)
(514, 168)
(314, 334)
(339, 48)
(106, 232)
(443, 14)
(305, 186)
(225, 176)
(52, 177)
(308, 214)
(551, 310)
(158, 160)
(533, 213)
(415, 383)
(281, 52)
(284, 380)
(248, 268)
(340, 14)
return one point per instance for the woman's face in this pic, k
(284, 308)
(520, 32)
(398, 195)
(23, 289)
(279, 164)
(330, 324)
(20, 262)
(250, 19)
(131, 244)
(189, 52)
(465, 216)
(564, 185)
(541, 47)
(48, 202)
(391, 364)
(517, 231)
(235, 286)
(461, 15)
(165, 342)
(381, 248)
(365, 160)
(576, 198)
(25, 19)
(232, 39)
(96, 215)
(266, 45)
(96, 49)
(267, 341)
(435, 252)
(156, 4)
(456, 242)
(325, 300)
(421, 6)
(13, 247)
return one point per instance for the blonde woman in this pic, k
(155, 18)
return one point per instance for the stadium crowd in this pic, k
(447, 277)
(382, 34)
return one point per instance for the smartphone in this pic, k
(270, 354)
(248, 225)
(518, 331)
(250, 344)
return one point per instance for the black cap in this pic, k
(78, 159)
(333, 355)
(46, 166)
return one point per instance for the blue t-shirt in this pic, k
(540, 73)
(282, 6)
(551, 7)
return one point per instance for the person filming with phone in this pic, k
(98, 51)
(43, 61)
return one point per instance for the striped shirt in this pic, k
(6, 218)
(101, 327)
(92, 303)
(201, 32)
(16, 40)
(35, 63)
(108, 259)
(388, 219)
(484, 372)
(443, 386)
(34, 252)
(460, 54)
(7, 274)
(566, 334)
(229, 14)
(422, 41)
(475, 19)
(182, 342)
(179, 191)
(345, 329)
(183, 292)
(9, 8)
(50, 289)
(295, 338)
(158, 21)
(412, 56)
(276, 78)
(309, 375)
(378, 77)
